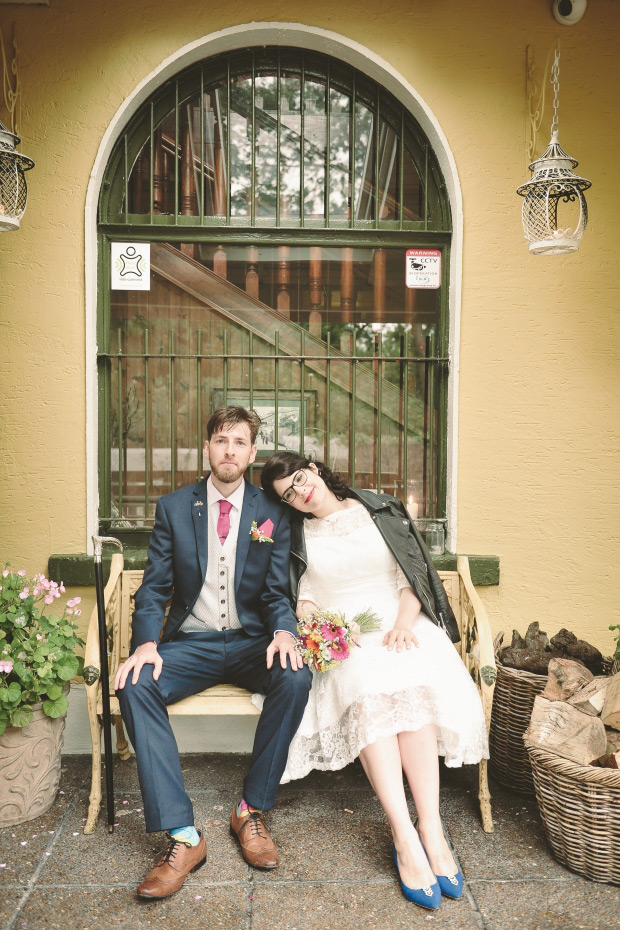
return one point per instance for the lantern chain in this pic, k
(555, 81)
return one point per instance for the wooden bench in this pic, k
(475, 648)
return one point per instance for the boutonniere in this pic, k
(199, 504)
(261, 533)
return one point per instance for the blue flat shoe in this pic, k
(429, 897)
(451, 885)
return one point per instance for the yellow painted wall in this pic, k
(538, 402)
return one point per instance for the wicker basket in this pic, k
(513, 701)
(580, 810)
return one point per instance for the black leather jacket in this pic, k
(406, 545)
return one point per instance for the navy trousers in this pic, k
(191, 663)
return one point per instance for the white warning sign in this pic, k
(423, 268)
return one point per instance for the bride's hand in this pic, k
(400, 636)
(304, 608)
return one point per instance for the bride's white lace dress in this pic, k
(374, 692)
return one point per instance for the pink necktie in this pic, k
(223, 521)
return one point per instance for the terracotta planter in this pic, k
(29, 768)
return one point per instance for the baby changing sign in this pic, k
(423, 268)
(130, 265)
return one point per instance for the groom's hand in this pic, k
(146, 654)
(285, 644)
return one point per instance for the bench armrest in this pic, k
(477, 649)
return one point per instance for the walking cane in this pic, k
(98, 542)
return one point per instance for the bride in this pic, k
(405, 696)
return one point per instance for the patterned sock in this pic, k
(187, 835)
(244, 808)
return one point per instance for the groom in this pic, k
(221, 550)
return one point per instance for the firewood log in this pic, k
(566, 644)
(565, 677)
(530, 654)
(590, 699)
(557, 727)
(611, 759)
(610, 714)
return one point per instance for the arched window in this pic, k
(299, 235)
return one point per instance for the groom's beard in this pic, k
(227, 472)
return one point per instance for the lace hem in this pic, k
(366, 721)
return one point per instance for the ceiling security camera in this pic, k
(568, 12)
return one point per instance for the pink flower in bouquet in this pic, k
(339, 651)
(326, 637)
(329, 633)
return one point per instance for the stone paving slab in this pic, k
(9, 899)
(336, 872)
(24, 846)
(129, 852)
(73, 772)
(104, 908)
(315, 849)
(351, 906)
(517, 849)
(576, 904)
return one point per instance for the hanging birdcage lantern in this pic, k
(13, 187)
(555, 212)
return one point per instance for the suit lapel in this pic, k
(200, 516)
(251, 497)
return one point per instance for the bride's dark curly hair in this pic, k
(284, 464)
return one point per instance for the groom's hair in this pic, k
(226, 417)
(285, 464)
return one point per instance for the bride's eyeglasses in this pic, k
(299, 479)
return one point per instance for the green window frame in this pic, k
(171, 181)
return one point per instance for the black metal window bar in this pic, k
(371, 417)
(274, 138)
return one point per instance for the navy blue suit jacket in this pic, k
(177, 564)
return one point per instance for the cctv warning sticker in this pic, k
(423, 268)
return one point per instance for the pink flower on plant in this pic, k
(77, 613)
(39, 637)
(61, 588)
(49, 598)
(22, 572)
(24, 594)
(6, 667)
(74, 602)
(5, 573)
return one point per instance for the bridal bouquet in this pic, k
(326, 637)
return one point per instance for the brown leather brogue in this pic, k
(257, 847)
(172, 868)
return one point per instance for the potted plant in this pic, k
(37, 661)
